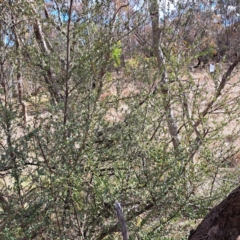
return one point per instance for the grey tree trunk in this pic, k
(164, 88)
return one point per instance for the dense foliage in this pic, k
(99, 103)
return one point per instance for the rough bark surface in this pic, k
(222, 222)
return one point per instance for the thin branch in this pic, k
(218, 93)
(121, 220)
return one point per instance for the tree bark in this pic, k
(222, 222)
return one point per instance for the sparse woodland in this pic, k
(108, 100)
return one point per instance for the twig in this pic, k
(121, 220)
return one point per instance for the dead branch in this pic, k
(121, 220)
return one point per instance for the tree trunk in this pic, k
(164, 86)
(222, 222)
